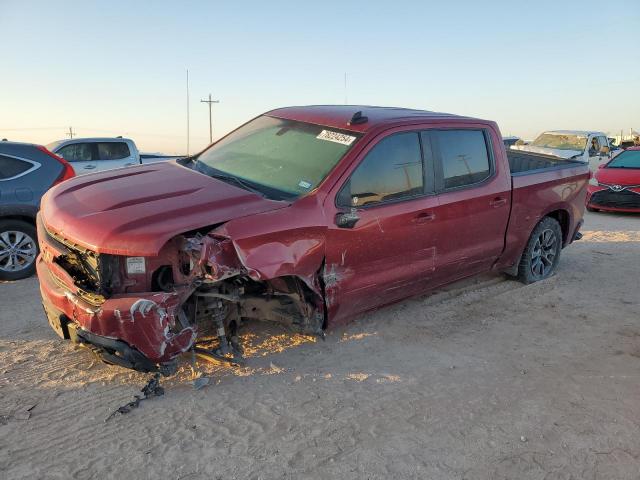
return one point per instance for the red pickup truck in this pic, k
(308, 216)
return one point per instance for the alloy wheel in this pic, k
(17, 251)
(544, 253)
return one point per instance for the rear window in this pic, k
(628, 159)
(464, 156)
(113, 150)
(12, 167)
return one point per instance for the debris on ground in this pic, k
(201, 382)
(150, 390)
(24, 412)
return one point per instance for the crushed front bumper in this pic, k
(136, 330)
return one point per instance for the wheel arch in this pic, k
(563, 217)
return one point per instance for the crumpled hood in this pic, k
(566, 154)
(136, 210)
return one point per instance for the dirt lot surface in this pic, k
(488, 379)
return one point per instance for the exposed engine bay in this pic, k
(143, 312)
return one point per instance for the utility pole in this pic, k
(187, 112)
(71, 132)
(210, 124)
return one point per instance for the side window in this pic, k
(12, 167)
(464, 156)
(603, 142)
(113, 150)
(391, 170)
(76, 152)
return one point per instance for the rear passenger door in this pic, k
(80, 155)
(112, 155)
(14, 187)
(474, 197)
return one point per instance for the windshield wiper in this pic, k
(238, 181)
(262, 190)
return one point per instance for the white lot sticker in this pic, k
(135, 265)
(303, 184)
(336, 137)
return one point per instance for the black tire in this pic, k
(542, 253)
(591, 209)
(19, 245)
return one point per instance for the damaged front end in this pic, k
(143, 312)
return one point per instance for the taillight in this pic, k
(67, 169)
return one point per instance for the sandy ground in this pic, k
(489, 379)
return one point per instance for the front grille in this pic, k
(609, 198)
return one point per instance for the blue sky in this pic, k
(118, 67)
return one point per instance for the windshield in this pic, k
(626, 159)
(561, 141)
(272, 154)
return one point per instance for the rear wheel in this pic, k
(18, 249)
(542, 253)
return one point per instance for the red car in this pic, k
(307, 216)
(615, 187)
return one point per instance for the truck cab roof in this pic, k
(341, 116)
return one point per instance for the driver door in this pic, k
(381, 245)
(81, 156)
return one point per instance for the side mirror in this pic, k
(347, 219)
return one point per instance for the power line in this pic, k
(210, 122)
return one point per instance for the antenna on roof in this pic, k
(357, 119)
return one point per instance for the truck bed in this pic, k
(542, 184)
(524, 163)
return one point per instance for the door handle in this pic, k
(498, 202)
(89, 167)
(424, 217)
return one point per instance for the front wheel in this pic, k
(542, 253)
